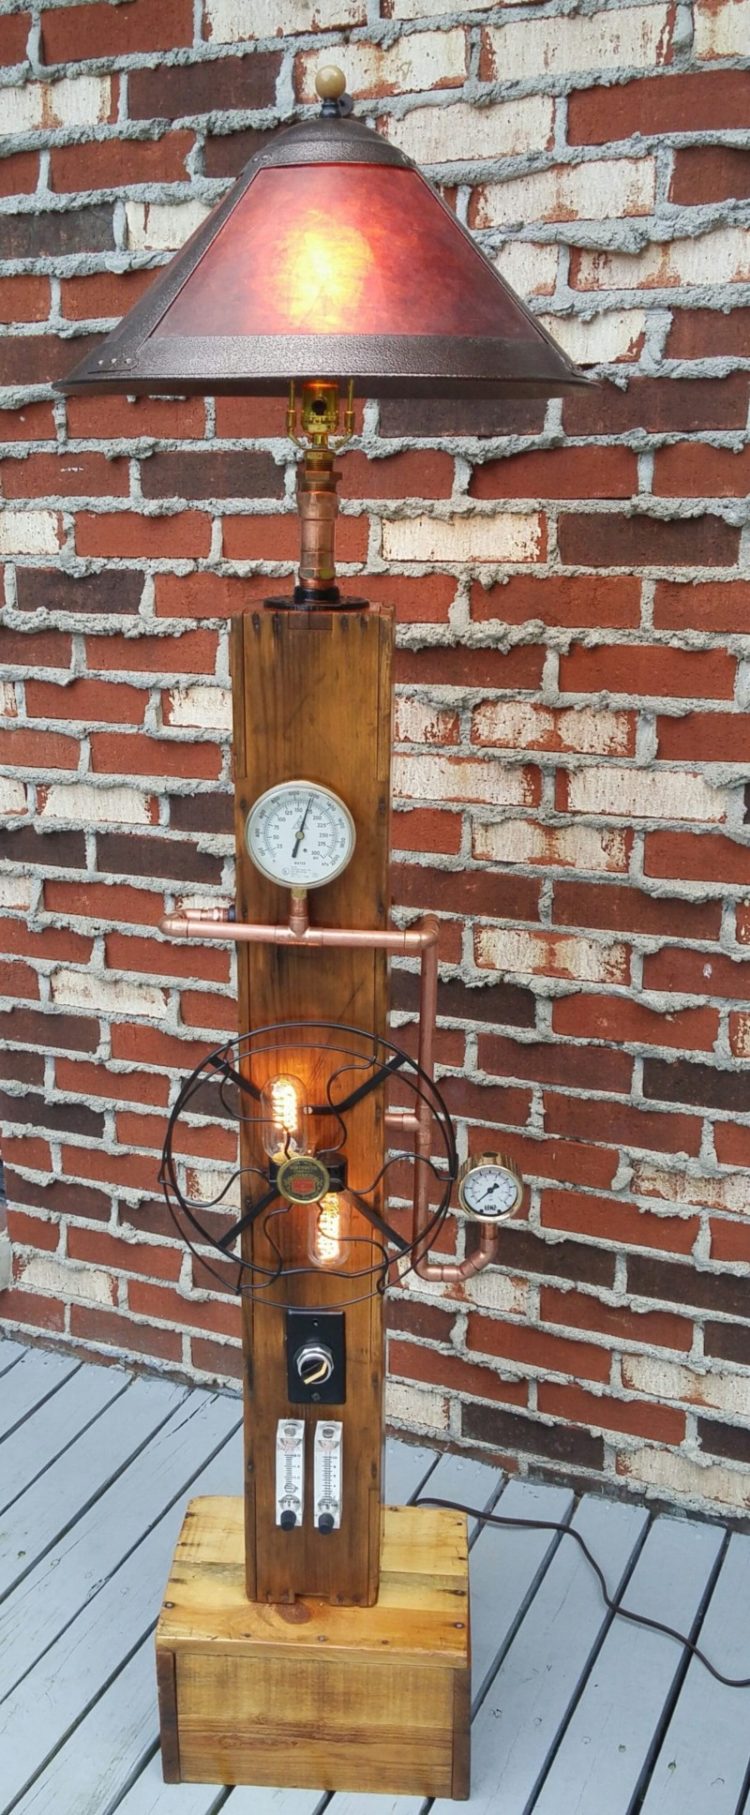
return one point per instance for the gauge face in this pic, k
(490, 1188)
(300, 834)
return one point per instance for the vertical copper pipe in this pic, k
(318, 504)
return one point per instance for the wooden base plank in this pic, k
(367, 1699)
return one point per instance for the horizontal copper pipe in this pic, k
(246, 932)
(402, 1118)
(452, 1271)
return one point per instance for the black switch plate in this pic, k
(326, 1327)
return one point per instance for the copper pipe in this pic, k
(245, 932)
(451, 1271)
(317, 503)
(299, 919)
(404, 1119)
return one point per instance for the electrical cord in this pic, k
(623, 1613)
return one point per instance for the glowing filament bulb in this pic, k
(326, 1245)
(282, 1103)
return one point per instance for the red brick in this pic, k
(28, 1152)
(103, 902)
(33, 1308)
(101, 31)
(128, 533)
(223, 1318)
(93, 1324)
(148, 1046)
(105, 295)
(714, 605)
(575, 472)
(34, 358)
(110, 418)
(679, 103)
(660, 1133)
(164, 958)
(23, 298)
(64, 475)
(134, 1171)
(215, 84)
(423, 474)
(637, 1417)
(222, 1359)
(742, 922)
(709, 173)
(643, 541)
(691, 469)
(579, 1310)
(632, 910)
(536, 1349)
(427, 829)
(620, 1019)
(649, 671)
(117, 163)
(673, 405)
(609, 1219)
(732, 1143)
(730, 1242)
(34, 422)
(19, 175)
(552, 1062)
(38, 750)
(567, 1162)
(710, 737)
(707, 333)
(570, 601)
(697, 973)
(242, 418)
(13, 38)
(408, 1361)
(77, 1077)
(201, 1009)
(455, 665)
(35, 649)
(19, 980)
(87, 701)
(416, 598)
(204, 595)
(481, 892)
(49, 944)
(32, 1231)
(105, 1250)
(122, 754)
(696, 857)
(276, 538)
(31, 1027)
(486, 1103)
(193, 653)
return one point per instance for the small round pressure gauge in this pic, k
(300, 834)
(490, 1188)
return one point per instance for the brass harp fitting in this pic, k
(317, 482)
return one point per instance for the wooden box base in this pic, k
(314, 1696)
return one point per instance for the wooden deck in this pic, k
(574, 1713)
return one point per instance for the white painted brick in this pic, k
(721, 31)
(497, 1292)
(729, 1192)
(569, 847)
(644, 794)
(29, 532)
(78, 101)
(210, 708)
(21, 108)
(453, 134)
(108, 995)
(203, 1183)
(686, 1480)
(612, 188)
(58, 1280)
(741, 1037)
(633, 37)
(509, 949)
(15, 892)
(162, 226)
(12, 796)
(518, 725)
(722, 257)
(416, 723)
(416, 1406)
(85, 805)
(659, 1379)
(531, 270)
(231, 21)
(441, 778)
(615, 334)
(424, 60)
(8, 699)
(513, 536)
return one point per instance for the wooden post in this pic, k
(312, 701)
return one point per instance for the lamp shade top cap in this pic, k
(330, 82)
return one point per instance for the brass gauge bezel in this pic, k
(290, 1173)
(502, 1163)
(276, 793)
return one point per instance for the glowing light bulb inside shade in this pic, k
(282, 1107)
(326, 1243)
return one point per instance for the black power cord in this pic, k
(623, 1613)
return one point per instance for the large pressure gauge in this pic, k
(490, 1188)
(300, 834)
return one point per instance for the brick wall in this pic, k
(572, 748)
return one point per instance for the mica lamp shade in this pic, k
(331, 257)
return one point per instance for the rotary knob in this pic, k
(314, 1364)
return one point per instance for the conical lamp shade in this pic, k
(331, 257)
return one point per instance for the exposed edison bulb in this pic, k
(326, 1243)
(282, 1106)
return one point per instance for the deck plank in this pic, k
(56, 1424)
(36, 1378)
(611, 1731)
(58, 1496)
(407, 1466)
(83, 1559)
(10, 1353)
(704, 1757)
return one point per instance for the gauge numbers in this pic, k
(490, 1188)
(300, 834)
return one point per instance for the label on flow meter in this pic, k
(327, 1477)
(290, 1472)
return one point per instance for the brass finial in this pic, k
(330, 82)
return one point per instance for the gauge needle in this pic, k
(300, 832)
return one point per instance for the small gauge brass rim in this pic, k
(288, 787)
(501, 1162)
(291, 1173)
